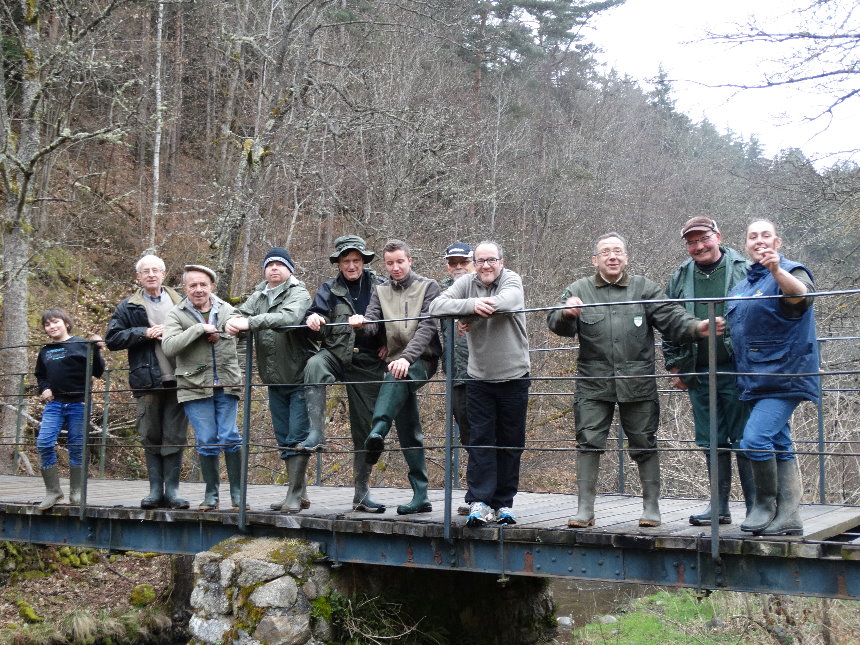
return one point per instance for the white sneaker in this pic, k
(479, 515)
(506, 515)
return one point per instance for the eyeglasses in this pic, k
(701, 240)
(150, 271)
(459, 263)
(605, 253)
(488, 261)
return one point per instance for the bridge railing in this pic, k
(442, 441)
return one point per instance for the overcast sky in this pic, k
(641, 35)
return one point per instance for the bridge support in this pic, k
(280, 591)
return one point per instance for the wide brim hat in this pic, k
(351, 243)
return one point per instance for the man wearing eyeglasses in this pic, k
(489, 304)
(711, 271)
(618, 340)
(458, 259)
(137, 325)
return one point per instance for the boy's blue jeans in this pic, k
(54, 417)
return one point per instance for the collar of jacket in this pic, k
(405, 282)
(137, 296)
(289, 282)
(600, 282)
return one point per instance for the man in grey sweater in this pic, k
(489, 304)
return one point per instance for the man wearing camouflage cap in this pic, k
(345, 356)
(711, 271)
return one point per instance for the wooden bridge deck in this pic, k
(825, 561)
(542, 512)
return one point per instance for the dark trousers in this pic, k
(458, 397)
(497, 417)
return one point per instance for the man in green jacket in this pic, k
(710, 272)
(280, 301)
(209, 378)
(618, 340)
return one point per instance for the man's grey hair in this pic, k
(606, 236)
(498, 246)
(154, 259)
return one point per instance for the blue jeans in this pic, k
(289, 416)
(214, 422)
(54, 417)
(767, 429)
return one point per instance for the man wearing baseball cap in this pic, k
(278, 303)
(347, 357)
(459, 262)
(710, 272)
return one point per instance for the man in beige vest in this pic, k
(413, 354)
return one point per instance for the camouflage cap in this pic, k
(350, 243)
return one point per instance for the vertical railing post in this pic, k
(822, 484)
(88, 403)
(448, 363)
(622, 484)
(246, 431)
(19, 416)
(105, 417)
(712, 421)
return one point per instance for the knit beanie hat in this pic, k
(279, 254)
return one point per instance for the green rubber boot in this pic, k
(745, 474)
(649, 475)
(297, 469)
(209, 471)
(362, 501)
(392, 396)
(76, 474)
(53, 492)
(172, 468)
(419, 481)
(315, 402)
(724, 487)
(234, 475)
(764, 506)
(789, 491)
(155, 472)
(587, 467)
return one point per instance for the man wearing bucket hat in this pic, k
(711, 271)
(278, 303)
(345, 356)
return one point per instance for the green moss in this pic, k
(322, 608)
(25, 611)
(139, 554)
(142, 595)
(34, 574)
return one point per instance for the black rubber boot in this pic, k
(587, 467)
(315, 402)
(764, 507)
(172, 466)
(724, 487)
(418, 480)
(362, 501)
(789, 491)
(155, 472)
(391, 398)
(53, 492)
(234, 475)
(297, 469)
(209, 471)
(649, 475)
(745, 474)
(76, 474)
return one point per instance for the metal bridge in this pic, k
(824, 561)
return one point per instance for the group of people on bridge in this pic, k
(380, 337)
